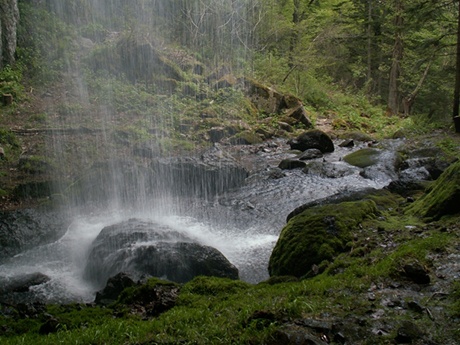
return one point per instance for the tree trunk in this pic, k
(369, 44)
(395, 71)
(9, 17)
(457, 80)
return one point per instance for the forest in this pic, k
(398, 55)
(179, 130)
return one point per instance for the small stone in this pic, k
(407, 333)
(415, 306)
(417, 273)
(347, 143)
(288, 164)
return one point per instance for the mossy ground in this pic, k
(221, 311)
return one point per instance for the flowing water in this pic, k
(243, 222)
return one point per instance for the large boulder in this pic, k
(25, 229)
(312, 139)
(442, 198)
(315, 235)
(143, 248)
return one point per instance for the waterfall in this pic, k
(131, 88)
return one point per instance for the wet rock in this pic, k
(312, 139)
(347, 143)
(329, 170)
(416, 273)
(22, 283)
(288, 164)
(310, 154)
(27, 228)
(115, 285)
(146, 248)
(404, 187)
(363, 158)
(432, 159)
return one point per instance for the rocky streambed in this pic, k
(242, 222)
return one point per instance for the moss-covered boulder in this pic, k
(317, 234)
(442, 198)
(363, 158)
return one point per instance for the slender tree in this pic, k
(457, 79)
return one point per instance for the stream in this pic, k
(243, 223)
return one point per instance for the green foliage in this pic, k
(11, 81)
(10, 144)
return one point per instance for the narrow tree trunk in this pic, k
(395, 71)
(369, 45)
(457, 80)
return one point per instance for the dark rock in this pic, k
(416, 273)
(22, 283)
(404, 187)
(347, 143)
(310, 154)
(288, 164)
(415, 306)
(146, 248)
(152, 298)
(52, 325)
(408, 332)
(299, 114)
(276, 174)
(265, 99)
(312, 139)
(115, 285)
(27, 228)
(285, 126)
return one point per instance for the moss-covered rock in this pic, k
(317, 234)
(442, 198)
(363, 158)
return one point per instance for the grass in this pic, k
(221, 311)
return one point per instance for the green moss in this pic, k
(362, 158)
(442, 198)
(213, 286)
(317, 234)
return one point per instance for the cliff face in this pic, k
(9, 17)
